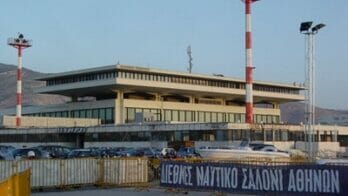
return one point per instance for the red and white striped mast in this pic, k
(20, 44)
(249, 114)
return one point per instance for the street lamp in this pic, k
(19, 43)
(309, 32)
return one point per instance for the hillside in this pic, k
(290, 112)
(8, 88)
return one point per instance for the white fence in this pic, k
(82, 171)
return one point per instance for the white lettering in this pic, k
(317, 181)
(265, 178)
(175, 174)
(335, 182)
(244, 186)
(199, 175)
(299, 180)
(291, 186)
(251, 180)
(189, 170)
(227, 172)
(258, 180)
(169, 173)
(326, 181)
(234, 178)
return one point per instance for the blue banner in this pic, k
(232, 177)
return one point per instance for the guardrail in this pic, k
(60, 173)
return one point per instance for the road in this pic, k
(125, 191)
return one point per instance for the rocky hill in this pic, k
(290, 112)
(8, 88)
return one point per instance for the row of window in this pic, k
(200, 135)
(106, 115)
(190, 116)
(166, 78)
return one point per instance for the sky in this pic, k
(77, 34)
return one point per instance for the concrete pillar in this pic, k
(275, 105)
(159, 99)
(119, 108)
(192, 99)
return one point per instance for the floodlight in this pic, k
(317, 27)
(305, 26)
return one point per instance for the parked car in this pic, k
(6, 156)
(145, 152)
(6, 152)
(84, 152)
(56, 151)
(23, 153)
(168, 153)
(187, 152)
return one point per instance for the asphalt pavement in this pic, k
(127, 192)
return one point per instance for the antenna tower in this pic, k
(189, 53)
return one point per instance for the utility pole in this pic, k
(20, 44)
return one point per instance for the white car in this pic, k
(165, 151)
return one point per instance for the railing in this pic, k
(60, 173)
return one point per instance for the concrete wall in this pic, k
(44, 122)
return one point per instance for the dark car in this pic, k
(145, 152)
(6, 156)
(187, 152)
(56, 151)
(6, 152)
(84, 152)
(23, 153)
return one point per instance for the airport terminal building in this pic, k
(121, 105)
(117, 93)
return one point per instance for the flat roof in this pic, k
(162, 71)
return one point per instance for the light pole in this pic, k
(309, 32)
(19, 43)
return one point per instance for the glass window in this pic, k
(89, 114)
(76, 114)
(201, 116)
(238, 118)
(82, 113)
(242, 118)
(168, 115)
(220, 117)
(207, 117)
(102, 115)
(182, 116)
(95, 113)
(189, 116)
(175, 115)
(213, 117)
(109, 115)
(130, 115)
